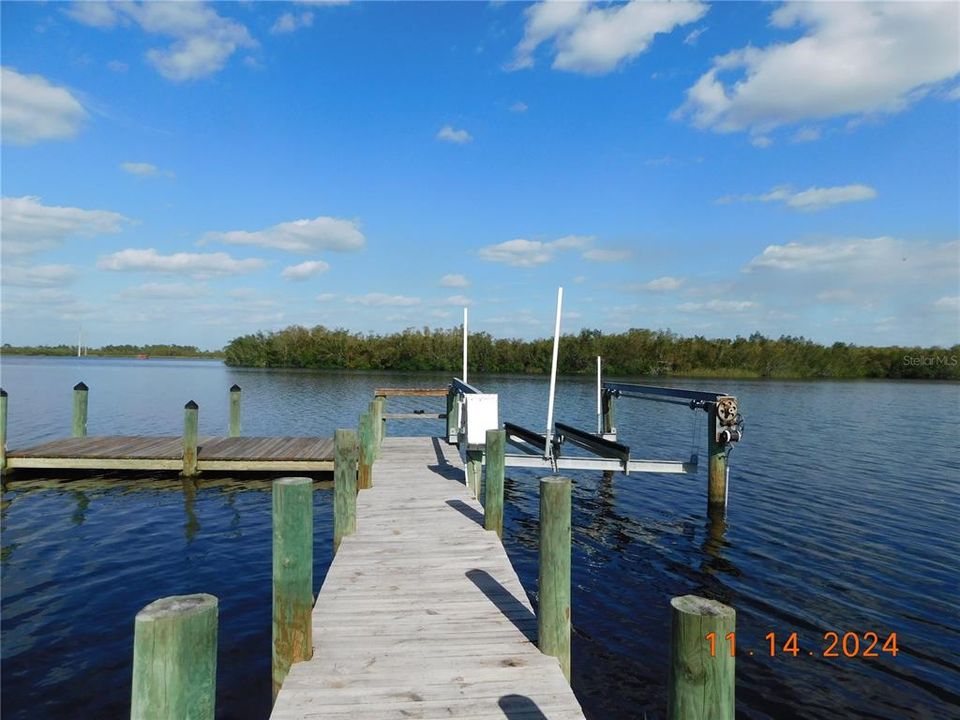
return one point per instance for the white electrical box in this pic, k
(480, 415)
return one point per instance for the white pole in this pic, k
(79, 340)
(553, 375)
(599, 406)
(465, 335)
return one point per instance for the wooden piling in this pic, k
(553, 616)
(292, 575)
(717, 466)
(376, 426)
(609, 414)
(493, 495)
(365, 461)
(381, 400)
(701, 682)
(473, 471)
(344, 486)
(175, 659)
(3, 430)
(80, 391)
(234, 410)
(453, 416)
(190, 431)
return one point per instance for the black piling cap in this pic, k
(191, 406)
(234, 388)
(3, 393)
(80, 386)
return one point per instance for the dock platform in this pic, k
(421, 614)
(224, 454)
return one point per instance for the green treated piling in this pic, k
(376, 427)
(344, 485)
(292, 575)
(80, 392)
(608, 409)
(175, 659)
(701, 682)
(3, 430)
(553, 618)
(365, 463)
(235, 410)
(474, 471)
(717, 468)
(381, 400)
(493, 496)
(190, 429)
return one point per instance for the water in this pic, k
(842, 510)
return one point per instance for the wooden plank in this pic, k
(411, 392)
(421, 614)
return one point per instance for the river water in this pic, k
(843, 499)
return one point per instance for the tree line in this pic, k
(191, 351)
(632, 353)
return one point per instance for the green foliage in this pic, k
(185, 351)
(632, 353)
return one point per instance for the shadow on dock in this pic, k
(520, 707)
(444, 468)
(472, 513)
(512, 609)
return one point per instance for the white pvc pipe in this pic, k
(465, 335)
(599, 404)
(553, 375)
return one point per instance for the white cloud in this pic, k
(30, 226)
(197, 265)
(519, 107)
(948, 304)
(203, 40)
(694, 35)
(115, 65)
(521, 252)
(806, 134)
(719, 306)
(32, 109)
(661, 284)
(599, 255)
(305, 270)
(143, 169)
(459, 300)
(37, 275)
(886, 255)
(454, 280)
(811, 199)
(459, 137)
(303, 236)
(326, 297)
(595, 39)
(164, 291)
(383, 300)
(853, 59)
(288, 22)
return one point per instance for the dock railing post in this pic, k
(175, 659)
(80, 392)
(365, 465)
(382, 409)
(474, 471)
(493, 496)
(375, 426)
(344, 486)
(701, 683)
(553, 616)
(453, 416)
(292, 575)
(235, 410)
(609, 413)
(190, 431)
(3, 430)
(717, 466)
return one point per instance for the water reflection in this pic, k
(80, 512)
(191, 525)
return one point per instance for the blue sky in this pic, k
(184, 172)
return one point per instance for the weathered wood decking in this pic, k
(421, 614)
(281, 454)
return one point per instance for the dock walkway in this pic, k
(421, 614)
(222, 454)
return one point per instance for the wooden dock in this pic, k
(421, 614)
(224, 454)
